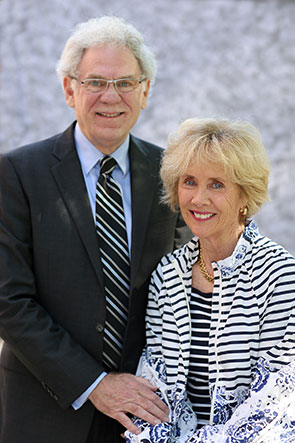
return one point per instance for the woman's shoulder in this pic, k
(186, 252)
(266, 247)
(181, 259)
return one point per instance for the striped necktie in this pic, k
(113, 245)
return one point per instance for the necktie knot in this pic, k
(107, 165)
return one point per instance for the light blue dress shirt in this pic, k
(90, 157)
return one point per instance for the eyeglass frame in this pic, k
(113, 81)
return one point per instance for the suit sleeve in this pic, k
(43, 346)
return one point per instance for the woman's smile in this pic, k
(202, 216)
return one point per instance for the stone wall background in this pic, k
(229, 58)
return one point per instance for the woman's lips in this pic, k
(202, 215)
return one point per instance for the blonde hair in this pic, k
(235, 145)
(101, 31)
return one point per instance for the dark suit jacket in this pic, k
(52, 303)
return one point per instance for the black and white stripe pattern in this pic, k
(113, 245)
(253, 314)
(198, 375)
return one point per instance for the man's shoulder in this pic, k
(34, 147)
(37, 148)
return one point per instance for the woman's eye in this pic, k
(217, 185)
(189, 181)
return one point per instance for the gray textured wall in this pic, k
(230, 58)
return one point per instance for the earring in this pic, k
(244, 211)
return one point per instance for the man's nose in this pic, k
(110, 94)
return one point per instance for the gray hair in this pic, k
(101, 31)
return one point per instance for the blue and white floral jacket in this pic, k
(251, 345)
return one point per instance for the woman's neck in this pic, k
(212, 250)
(215, 249)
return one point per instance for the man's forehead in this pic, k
(109, 50)
(98, 59)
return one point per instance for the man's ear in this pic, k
(145, 93)
(69, 91)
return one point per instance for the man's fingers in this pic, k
(150, 413)
(145, 382)
(127, 423)
(155, 404)
(119, 394)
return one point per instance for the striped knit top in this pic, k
(198, 375)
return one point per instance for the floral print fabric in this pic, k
(266, 416)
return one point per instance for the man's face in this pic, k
(106, 118)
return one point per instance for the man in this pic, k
(59, 381)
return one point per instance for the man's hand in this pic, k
(117, 394)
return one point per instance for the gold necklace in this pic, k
(203, 268)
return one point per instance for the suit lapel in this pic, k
(69, 177)
(144, 176)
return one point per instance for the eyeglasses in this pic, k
(99, 85)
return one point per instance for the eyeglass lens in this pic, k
(100, 85)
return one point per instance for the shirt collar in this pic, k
(90, 156)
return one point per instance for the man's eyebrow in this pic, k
(94, 75)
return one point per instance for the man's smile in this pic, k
(105, 114)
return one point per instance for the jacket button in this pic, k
(99, 327)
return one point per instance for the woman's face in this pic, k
(210, 203)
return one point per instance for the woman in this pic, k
(220, 320)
